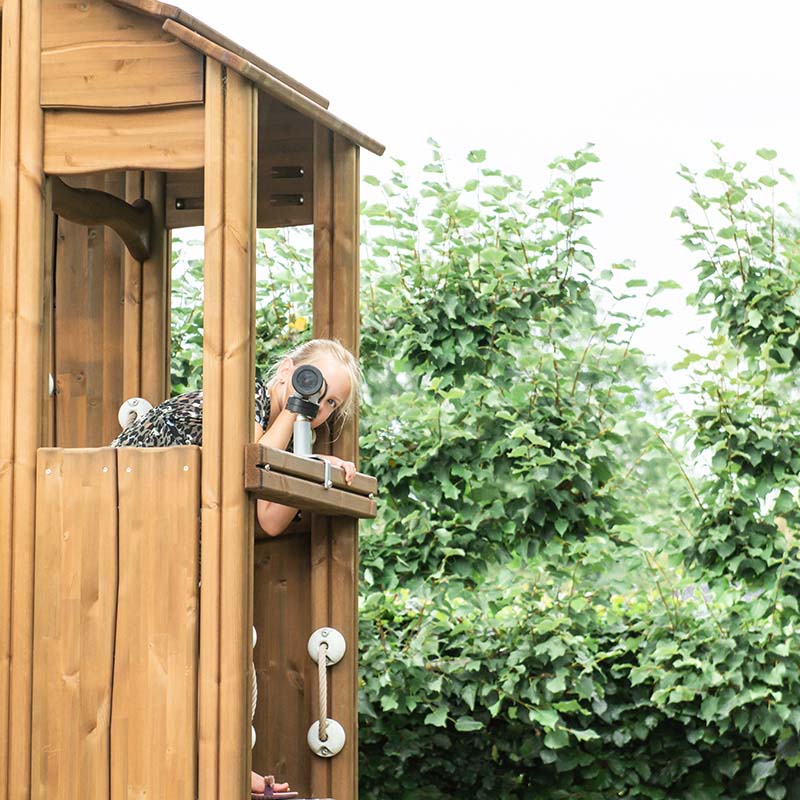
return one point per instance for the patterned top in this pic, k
(179, 420)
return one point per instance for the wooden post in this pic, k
(334, 544)
(21, 379)
(228, 368)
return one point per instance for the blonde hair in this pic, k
(312, 352)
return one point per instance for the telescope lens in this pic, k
(307, 380)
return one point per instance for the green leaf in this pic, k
(476, 156)
(468, 724)
(766, 154)
(437, 718)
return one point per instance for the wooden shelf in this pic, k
(283, 477)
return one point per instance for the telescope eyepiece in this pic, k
(308, 381)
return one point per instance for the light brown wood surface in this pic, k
(307, 496)
(22, 121)
(334, 541)
(88, 354)
(267, 83)
(94, 141)
(96, 55)
(310, 469)
(74, 623)
(165, 11)
(154, 719)
(156, 286)
(228, 371)
(286, 687)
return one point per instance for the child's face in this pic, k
(338, 379)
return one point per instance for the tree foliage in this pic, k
(573, 588)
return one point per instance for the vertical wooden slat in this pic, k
(155, 297)
(132, 306)
(154, 719)
(74, 621)
(334, 550)
(228, 366)
(281, 616)
(47, 436)
(9, 191)
(28, 383)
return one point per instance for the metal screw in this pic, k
(105, 469)
(324, 634)
(185, 467)
(325, 751)
(128, 469)
(48, 471)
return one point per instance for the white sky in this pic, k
(649, 83)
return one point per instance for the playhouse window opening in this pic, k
(284, 299)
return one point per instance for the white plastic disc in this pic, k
(332, 745)
(132, 410)
(334, 640)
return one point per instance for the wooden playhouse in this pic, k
(124, 645)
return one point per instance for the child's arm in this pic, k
(274, 518)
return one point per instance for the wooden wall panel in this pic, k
(285, 165)
(228, 371)
(95, 55)
(154, 719)
(94, 141)
(281, 603)
(88, 327)
(74, 621)
(334, 541)
(21, 377)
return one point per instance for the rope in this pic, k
(322, 669)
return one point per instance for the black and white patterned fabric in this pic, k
(179, 421)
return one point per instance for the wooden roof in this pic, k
(197, 35)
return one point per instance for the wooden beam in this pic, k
(97, 141)
(132, 222)
(228, 373)
(263, 80)
(21, 253)
(306, 495)
(309, 469)
(334, 544)
(166, 11)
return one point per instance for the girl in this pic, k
(179, 421)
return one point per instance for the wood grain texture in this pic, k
(286, 697)
(155, 338)
(88, 326)
(96, 141)
(267, 83)
(165, 11)
(29, 388)
(95, 55)
(154, 718)
(74, 623)
(308, 468)
(228, 372)
(334, 544)
(307, 496)
(9, 213)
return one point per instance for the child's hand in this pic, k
(348, 466)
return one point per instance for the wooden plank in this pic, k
(310, 469)
(266, 82)
(285, 165)
(307, 496)
(286, 700)
(88, 327)
(95, 55)
(74, 623)
(154, 717)
(155, 342)
(228, 372)
(335, 542)
(29, 386)
(9, 191)
(165, 11)
(131, 304)
(96, 141)
(48, 432)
